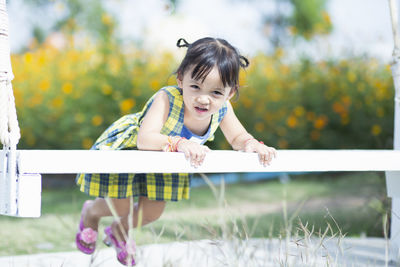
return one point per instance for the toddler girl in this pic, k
(177, 118)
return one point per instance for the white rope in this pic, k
(396, 71)
(9, 129)
(394, 20)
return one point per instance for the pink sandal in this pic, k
(86, 235)
(124, 249)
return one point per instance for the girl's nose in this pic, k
(203, 99)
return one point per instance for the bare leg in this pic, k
(99, 208)
(151, 210)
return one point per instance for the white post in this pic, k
(393, 178)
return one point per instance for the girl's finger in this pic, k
(187, 154)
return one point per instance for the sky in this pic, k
(359, 26)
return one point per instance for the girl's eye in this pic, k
(195, 86)
(218, 93)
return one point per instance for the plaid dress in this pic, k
(122, 134)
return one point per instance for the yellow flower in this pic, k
(106, 19)
(154, 84)
(346, 100)
(242, 78)
(97, 120)
(106, 89)
(299, 111)
(269, 72)
(376, 129)
(351, 76)
(42, 60)
(126, 105)
(320, 122)
(57, 102)
(44, 85)
(87, 143)
(67, 88)
(114, 65)
(28, 58)
(326, 17)
(35, 100)
(292, 121)
(338, 108)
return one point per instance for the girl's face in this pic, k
(203, 98)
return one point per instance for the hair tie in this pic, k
(243, 62)
(185, 43)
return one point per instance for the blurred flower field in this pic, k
(67, 97)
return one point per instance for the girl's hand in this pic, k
(193, 151)
(265, 153)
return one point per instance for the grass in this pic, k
(356, 201)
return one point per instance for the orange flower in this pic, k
(126, 105)
(299, 111)
(320, 122)
(106, 89)
(292, 121)
(44, 85)
(87, 143)
(338, 108)
(57, 102)
(376, 130)
(67, 88)
(154, 84)
(97, 120)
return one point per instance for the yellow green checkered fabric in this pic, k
(122, 134)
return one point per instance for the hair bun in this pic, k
(243, 62)
(179, 43)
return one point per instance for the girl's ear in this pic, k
(231, 93)
(179, 81)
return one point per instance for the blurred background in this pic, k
(319, 75)
(319, 78)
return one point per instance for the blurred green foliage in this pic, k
(67, 97)
(70, 87)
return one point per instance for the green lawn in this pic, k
(357, 202)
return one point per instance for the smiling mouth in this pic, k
(201, 110)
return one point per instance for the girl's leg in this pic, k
(151, 210)
(99, 208)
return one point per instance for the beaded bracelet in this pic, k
(169, 146)
(172, 146)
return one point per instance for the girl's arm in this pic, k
(240, 139)
(150, 138)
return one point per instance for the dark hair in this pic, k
(208, 52)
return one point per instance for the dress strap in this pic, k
(173, 125)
